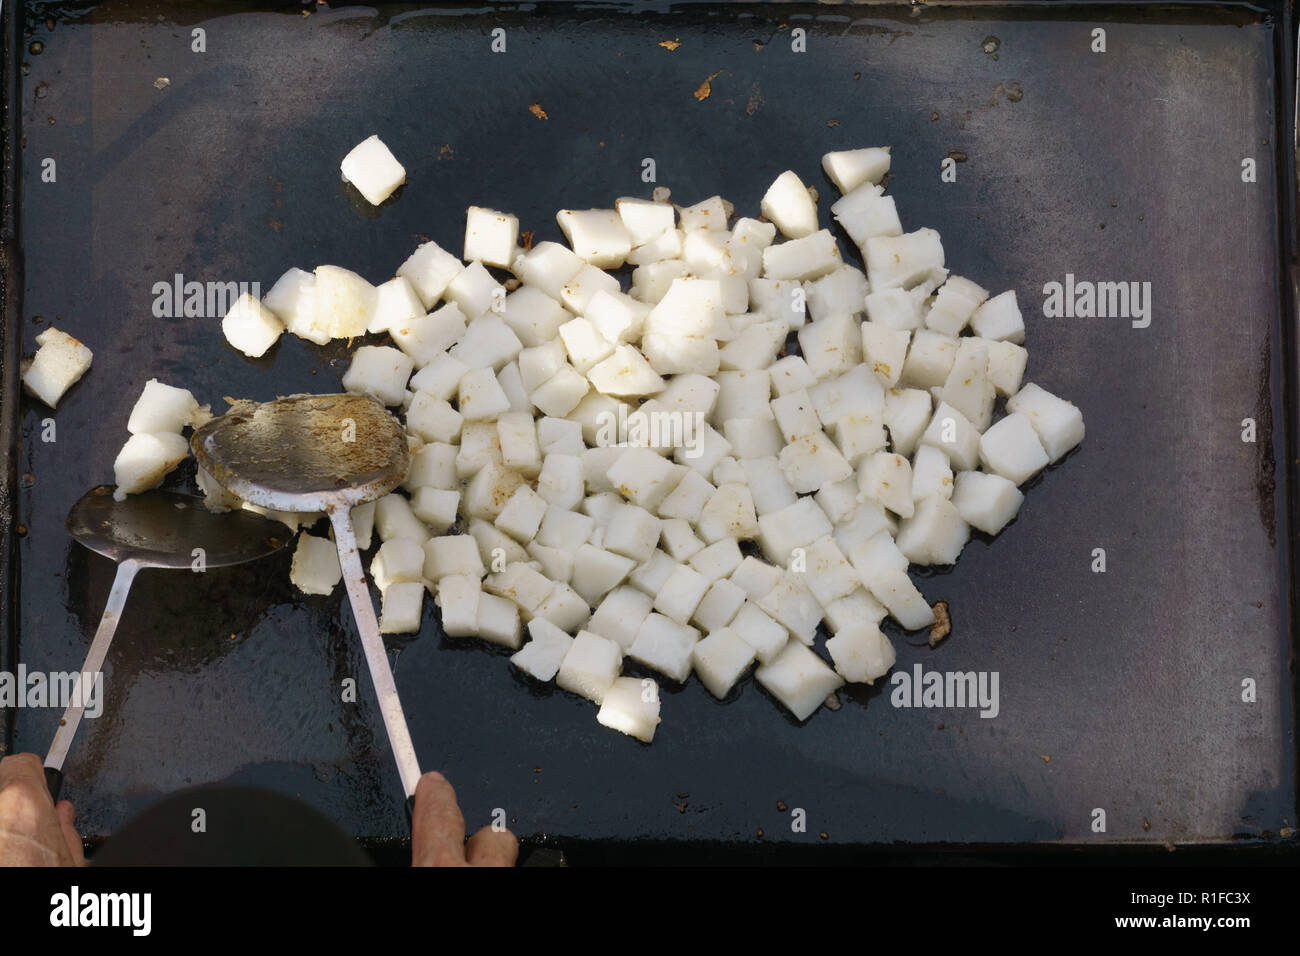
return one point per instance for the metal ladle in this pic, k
(157, 529)
(321, 453)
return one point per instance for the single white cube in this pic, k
(665, 645)
(789, 205)
(904, 261)
(315, 568)
(498, 621)
(596, 572)
(1057, 422)
(681, 594)
(457, 596)
(597, 236)
(398, 560)
(792, 604)
(806, 258)
(430, 269)
(436, 507)
(1011, 449)
(381, 372)
(935, 534)
(850, 168)
(373, 169)
(999, 319)
(799, 679)
(452, 554)
(987, 502)
(250, 326)
(729, 514)
(907, 606)
(403, 606)
(590, 666)
(145, 460)
(620, 615)
(491, 237)
(861, 653)
(522, 514)
(344, 302)
(541, 657)
(631, 706)
(162, 408)
(720, 605)
(721, 659)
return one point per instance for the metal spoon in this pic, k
(314, 453)
(157, 529)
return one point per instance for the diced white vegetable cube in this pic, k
(717, 560)
(498, 621)
(403, 605)
(522, 514)
(799, 679)
(547, 267)
(542, 655)
(644, 477)
(720, 605)
(895, 590)
(681, 594)
(315, 568)
(490, 236)
(644, 219)
(935, 534)
(952, 433)
(931, 474)
(904, 261)
(565, 608)
(884, 351)
(162, 408)
(708, 214)
(432, 419)
(987, 502)
(866, 213)
(828, 574)
(907, 413)
(789, 205)
(811, 461)
(458, 596)
(436, 507)
(293, 299)
(373, 169)
(999, 319)
(854, 609)
(806, 258)
(631, 706)
(720, 659)
(344, 302)
(620, 615)
(626, 373)
(596, 572)
(796, 526)
(861, 653)
(1057, 422)
(781, 299)
(597, 236)
(590, 666)
(831, 345)
(559, 436)
(379, 371)
(665, 645)
(792, 604)
(395, 519)
(850, 168)
(1011, 448)
(426, 338)
(250, 326)
(430, 269)
(759, 631)
(480, 396)
(398, 560)
(650, 576)
(585, 286)
(145, 460)
(452, 554)
(561, 393)
(968, 389)
(887, 478)
(755, 577)
(728, 514)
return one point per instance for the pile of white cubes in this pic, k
(832, 427)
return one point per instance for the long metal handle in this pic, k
(92, 668)
(381, 675)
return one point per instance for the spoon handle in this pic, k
(91, 671)
(381, 675)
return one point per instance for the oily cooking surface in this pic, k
(305, 445)
(1118, 690)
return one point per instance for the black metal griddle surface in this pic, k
(1119, 690)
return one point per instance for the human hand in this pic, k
(438, 831)
(33, 831)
